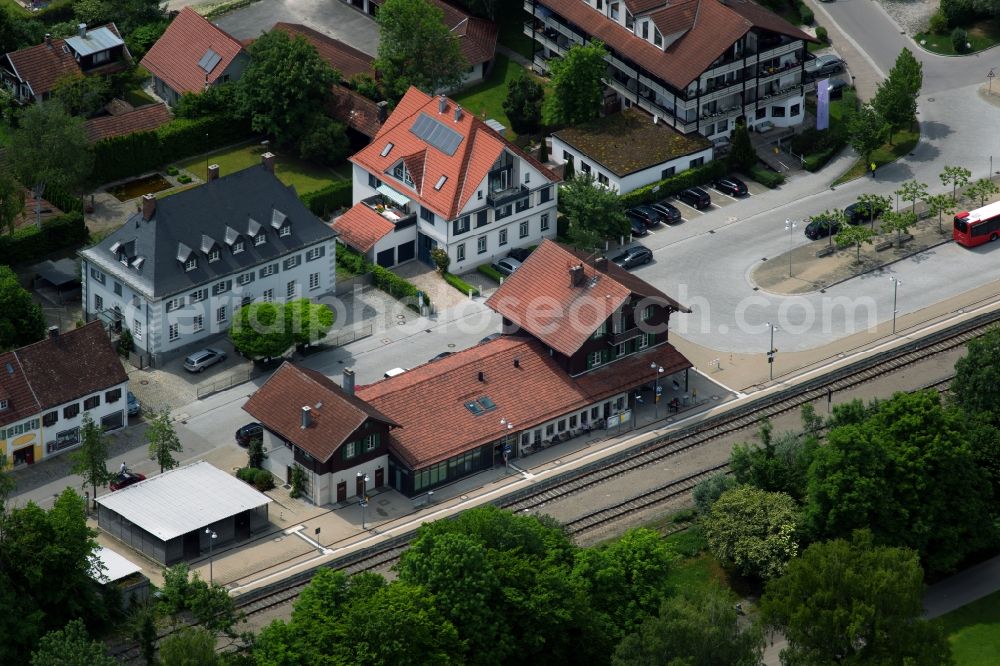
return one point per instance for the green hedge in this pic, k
(351, 260)
(64, 201)
(30, 243)
(57, 11)
(816, 161)
(490, 272)
(396, 287)
(674, 184)
(766, 177)
(332, 197)
(460, 284)
(125, 156)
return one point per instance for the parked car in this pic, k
(206, 358)
(763, 126)
(393, 372)
(824, 65)
(134, 406)
(638, 226)
(248, 432)
(669, 212)
(490, 338)
(857, 213)
(637, 255)
(519, 253)
(730, 185)
(647, 214)
(125, 479)
(721, 145)
(506, 266)
(444, 354)
(837, 87)
(821, 228)
(695, 197)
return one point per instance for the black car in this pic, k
(647, 214)
(444, 354)
(638, 226)
(634, 256)
(695, 197)
(730, 185)
(837, 87)
(519, 253)
(821, 228)
(489, 338)
(857, 213)
(669, 212)
(248, 432)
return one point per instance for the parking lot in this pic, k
(720, 200)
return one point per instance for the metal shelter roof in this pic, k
(115, 566)
(97, 39)
(59, 273)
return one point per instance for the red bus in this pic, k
(976, 227)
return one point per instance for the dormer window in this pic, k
(285, 230)
(4, 405)
(238, 246)
(657, 38)
(629, 20)
(260, 239)
(645, 29)
(191, 264)
(214, 255)
(123, 258)
(401, 173)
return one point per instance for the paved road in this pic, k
(331, 17)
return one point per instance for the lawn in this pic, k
(902, 143)
(512, 33)
(138, 98)
(14, 8)
(696, 568)
(974, 631)
(982, 35)
(486, 99)
(305, 176)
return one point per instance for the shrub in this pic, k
(325, 141)
(938, 23)
(262, 480)
(460, 284)
(246, 474)
(351, 260)
(490, 272)
(397, 287)
(333, 197)
(689, 178)
(184, 178)
(30, 243)
(822, 35)
(172, 171)
(958, 12)
(125, 342)
(766, 177)
(818, 160)
(959, 39)
(806, 15)
(440, 259)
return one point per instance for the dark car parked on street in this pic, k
(857, 213)
(519, 253)
(695, 197)
(634, 256)
(821, 228)
(670, 213)
(125, 479)
(647, 214)
(248, 432)
(638, 226)
(730, 185)
(837, 88)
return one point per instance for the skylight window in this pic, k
(385, 151)
(474, 407)
(480, 405)
(487, 403)
(441, 181)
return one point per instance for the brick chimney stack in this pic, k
(148, 206)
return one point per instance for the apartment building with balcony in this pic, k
(698, 65)
(436, 176)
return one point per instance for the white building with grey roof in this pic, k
(175, 273)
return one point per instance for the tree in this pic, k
(523, 103)
(91, 460)
(163, 440)
(940, 205)
(857, 236)
(284, 84)
(577, 85)
(908, 72)
(21, 318)
(255, 453)
(209, 604)
(900, 222)
(779, 464)
(955, 176)
(742, 156)
(11, 202)
(324, 141)
(976, 387)
(982, 189)
(866, 130)
(895, 98)
(592, 209)
(82, 95)
(835, 217)
(753, 531)
(874, 205)
(709, 490)
(906, 472)
(261, 330)
(191, 646)
(852, 602)
(416, 48)
(70, 646)
(49, 149)
(910, 191)
(309, 322)
(7, 485)
(698, 627)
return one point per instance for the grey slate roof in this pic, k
(215, 209)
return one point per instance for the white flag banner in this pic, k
(822, 104)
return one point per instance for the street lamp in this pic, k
(789, 227)
(771, 351)
(895, 288)
(211, 541)
(658, 369)
(363, 500)
(989, 77)
(506, 445)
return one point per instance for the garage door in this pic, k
(113, 421)
(386, 258)
(406, 251)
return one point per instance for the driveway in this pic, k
(331, 17)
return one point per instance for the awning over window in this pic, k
(393, 195)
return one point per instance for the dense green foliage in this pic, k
(70, 646)
(21, 318)
(753, 531)
(351, 260)
(396, 287)
(779, 464)
(867, 129)
(90, 460)
(333, 197)
(460, 284)
(896, 97)
(577, 85)
(49, 149)
(163, 440)
(742, 153)
(266, 330)
(523, 103)
(685, 179)
(416, 48)
(490, 272)
(593, 211)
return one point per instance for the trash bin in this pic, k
(686, 400)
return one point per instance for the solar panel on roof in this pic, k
(437, 134)
(209, 61)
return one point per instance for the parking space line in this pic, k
(724, 194)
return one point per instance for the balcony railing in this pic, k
(400, 216)
(618, 338)
(502, 197)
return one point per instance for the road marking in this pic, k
(298, 531)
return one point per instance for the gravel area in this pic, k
(911, 15)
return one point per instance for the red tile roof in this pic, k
(354, 110)
(528, 394)
(174, 57)
(717, 24)
(361, 227)
(143, 119)
(465, 169)
(675, 17)
(345, 59)
(14, 388)
(642, 6)
(540, 297)
(41, 66)
(477, 38)
(333, 416)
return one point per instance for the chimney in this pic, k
(601, 264)
(482, 376)
(517, 363)
(442, 103)
(148, 206)
(267, 159)
(53, 331)
(383, 111)
(213, 172)
(458, 112)
(81, 30)
(576, 275)
(348, 383)
(306, 414)
(48, 38)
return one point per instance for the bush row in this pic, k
(397, 287)
(121, 157)
(62, 200)
(766, 177)
(324, 201)
(261, 479)
(664, 188)
(460, 284)
(351, 260)
(490, 272)
(30, 243)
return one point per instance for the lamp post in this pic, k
(789, 227)
(363, 500)
(771, 351)
(506, 445)
(989, 77)
(658, 369)
(211, 541)
(895, 289)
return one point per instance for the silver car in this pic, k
(206, 358)
(506, 266)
